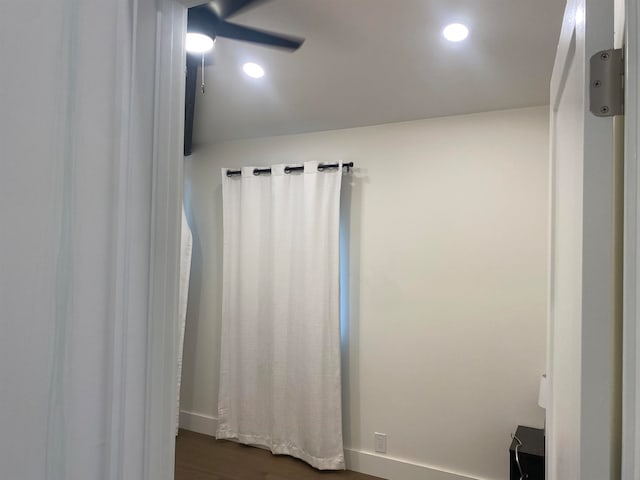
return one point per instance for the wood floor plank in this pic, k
(200, 457)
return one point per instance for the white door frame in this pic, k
(581, 410)
(631, 312)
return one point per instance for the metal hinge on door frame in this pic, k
(606, 89)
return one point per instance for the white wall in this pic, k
(447, 244)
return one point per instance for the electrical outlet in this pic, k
(380, 441)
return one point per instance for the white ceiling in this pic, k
(367, 62)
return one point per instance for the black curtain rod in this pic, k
(288, 169)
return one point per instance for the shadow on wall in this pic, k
(194, 294)
(206, 262)
(350, 200)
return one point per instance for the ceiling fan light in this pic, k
(456, 32)
(253, 70)
(198, 43)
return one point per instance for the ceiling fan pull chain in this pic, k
(203, 73)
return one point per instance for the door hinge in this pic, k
(607, 83)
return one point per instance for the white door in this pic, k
(583, 427)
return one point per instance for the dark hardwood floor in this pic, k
(199, 457)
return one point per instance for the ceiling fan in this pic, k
(211, 20)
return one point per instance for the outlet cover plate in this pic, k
(380, 442)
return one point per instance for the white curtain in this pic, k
(280, 363)
(186, 246)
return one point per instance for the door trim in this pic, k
(631, 313)
(584, 445)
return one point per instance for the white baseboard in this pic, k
(357, 460)
(198, 422)
(395, 468)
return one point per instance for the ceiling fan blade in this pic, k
(228, 8)
(202, 19)
(238, 32)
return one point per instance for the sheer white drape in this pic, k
(280, 363)
(84, 154)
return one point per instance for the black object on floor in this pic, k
(527, 449)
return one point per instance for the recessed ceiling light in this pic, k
(253, 70)
(456, 32)
(198, 43)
